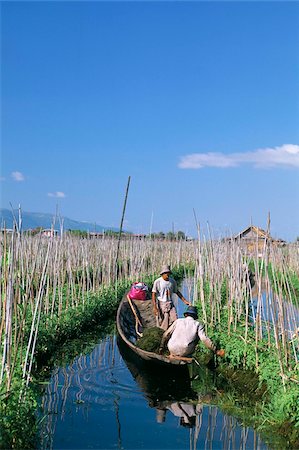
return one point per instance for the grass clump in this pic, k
(151, 339)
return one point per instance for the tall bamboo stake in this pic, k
(122, 221)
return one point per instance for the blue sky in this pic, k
(197, 101)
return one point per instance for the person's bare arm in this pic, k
(154, 300)
(180, 295)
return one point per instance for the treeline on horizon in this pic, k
(170, 235)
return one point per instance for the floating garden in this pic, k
(55, 289)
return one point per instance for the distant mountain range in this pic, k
(31, 220)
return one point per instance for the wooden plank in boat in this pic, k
(125, 322)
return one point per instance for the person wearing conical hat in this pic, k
(184, 334)
(162, 296)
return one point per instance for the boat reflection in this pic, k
(110, 400)
(158, 385)
(171, 394)
(169, 391)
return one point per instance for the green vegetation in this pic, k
(18, 424)
(276, 371)
(151, 339)
(73, 322)
(54, 290)
(287, 281)
(284, 281)
(240, 394)
(170, 235)
(78, 233)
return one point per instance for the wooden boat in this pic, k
(132, 317)
(174, 385)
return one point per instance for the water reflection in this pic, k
(106, 400)
(173, 398)
(274, 311)
(186, 412)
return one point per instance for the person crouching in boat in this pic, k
(184, 334)
(163, 290)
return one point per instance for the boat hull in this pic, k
(128, 330)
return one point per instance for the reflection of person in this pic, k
(160, 415)
(187, 412)
(163, 289)
(184, 334)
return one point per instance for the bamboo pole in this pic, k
(122, 221)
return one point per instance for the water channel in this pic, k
(105, 399)
(100, 402)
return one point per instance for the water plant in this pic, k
(53, 289)
(48, 299)
(234, 320)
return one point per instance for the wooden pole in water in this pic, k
(121, 223)
(200, 270)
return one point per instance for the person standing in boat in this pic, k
(162, 296)
(184, 334)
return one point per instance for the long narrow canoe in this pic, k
(132, 317)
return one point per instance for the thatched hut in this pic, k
(253, 239)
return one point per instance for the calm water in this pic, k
(107, 399)
(272, 311)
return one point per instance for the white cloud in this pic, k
(286, 155)
(57, 194)
(17, 176)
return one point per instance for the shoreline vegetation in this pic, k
(54, 289)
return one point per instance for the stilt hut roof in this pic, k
(253, 232)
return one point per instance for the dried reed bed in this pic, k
(270, 306)
(48, 276)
